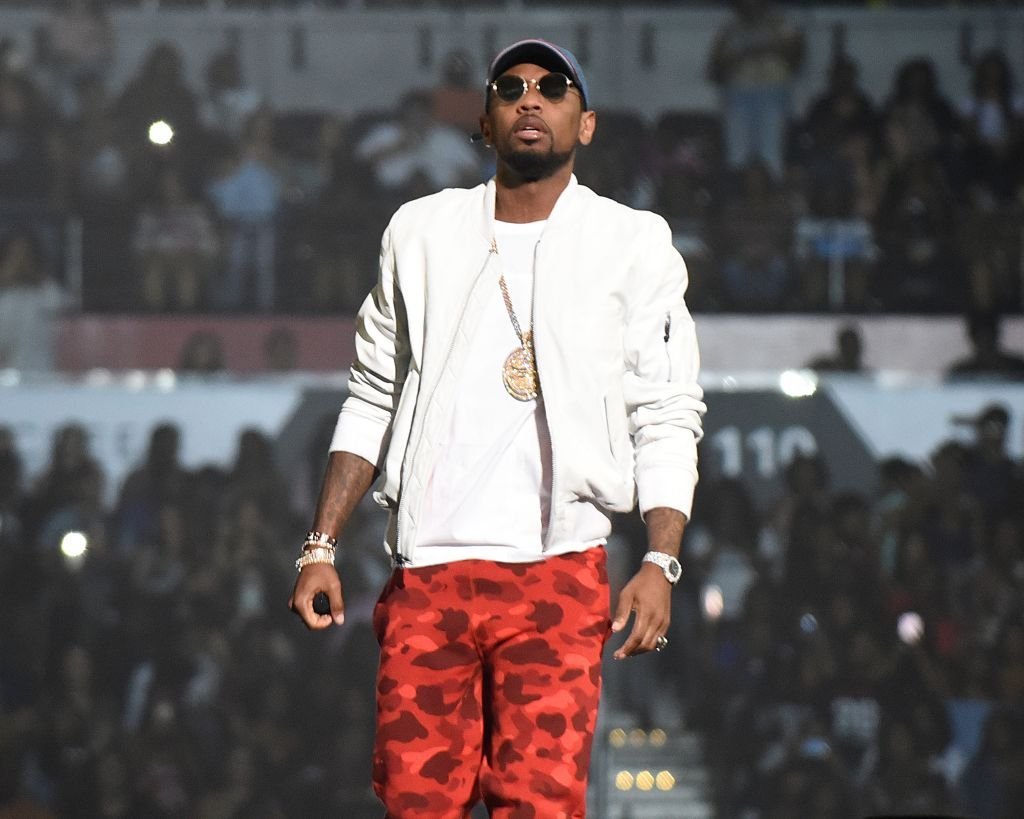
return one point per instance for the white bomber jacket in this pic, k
(615, 346)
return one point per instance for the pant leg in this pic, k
(429, 741)
(542, 661)
(265, 245)
(738, 121)
(230, 294)
(769, 132)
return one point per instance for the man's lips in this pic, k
(529, 128)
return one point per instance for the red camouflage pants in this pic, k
(488, 687)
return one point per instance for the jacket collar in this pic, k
(562, 206)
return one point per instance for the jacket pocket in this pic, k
(615, 427)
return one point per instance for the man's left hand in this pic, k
(649, 597)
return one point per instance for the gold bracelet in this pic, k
(322, 554)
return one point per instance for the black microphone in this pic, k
(321, 603)
(477, 137)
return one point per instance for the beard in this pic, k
(534, 165)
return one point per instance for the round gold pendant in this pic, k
(520, 374)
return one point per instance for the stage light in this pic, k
(135, 380)
(165, 379)
(664, 781)
(658, 738)
(624, 781)
(638, 737)
(798, 383)
(161, 133)
(808, 623)
(617, 738)
(73, 546)
(910, 627)
(713, 602)
(644, 781)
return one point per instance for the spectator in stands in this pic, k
(229, 103)
(26, 125)
(919, 267)
(992, 476)
(755, 227)
(101, 155)
(988, 359)
(247, 197)
(993, 784)
(202, 354)
(31, 301)
(79, 43)
(176, 246)
(953, 530)
(413, 154)
(311, 145)
(159, 92)
(836, 173)
(993, 129)
(806, 495)
(753, 60)
(988, 234)
(11, 492)
(159, 481)
(842, 109)
(846, 358)
(255, 476)
(918, 121)
(456, 99)
(71, 467)
(725, 545)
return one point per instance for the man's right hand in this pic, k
(313, 579)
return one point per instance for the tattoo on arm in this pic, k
(347, 479)
(665, 529)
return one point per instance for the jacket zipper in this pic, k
(400, 558)
(552, 505)
(668, 334)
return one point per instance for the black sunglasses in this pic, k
(553, 86)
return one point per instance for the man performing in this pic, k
(525, 366)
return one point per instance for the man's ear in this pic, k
(485, 129)
(588, 123)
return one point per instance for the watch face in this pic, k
(675, 570)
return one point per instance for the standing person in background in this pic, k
(247, 197)
(988, 358)
(229, 102)
(31, 301)
(176, 245)
(413, 154)
(753, 60)
(79, 49)
(525, 367)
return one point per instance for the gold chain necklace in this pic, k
(519, 373)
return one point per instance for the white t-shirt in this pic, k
(490, 490)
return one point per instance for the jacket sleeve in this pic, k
(663, 399)
(379, 368)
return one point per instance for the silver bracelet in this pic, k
(321, 554)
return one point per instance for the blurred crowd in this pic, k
(148, 664)
(842, 653)
(862, 653)
(209, 199)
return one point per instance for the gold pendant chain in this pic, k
(519, 373)
(527, 340)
